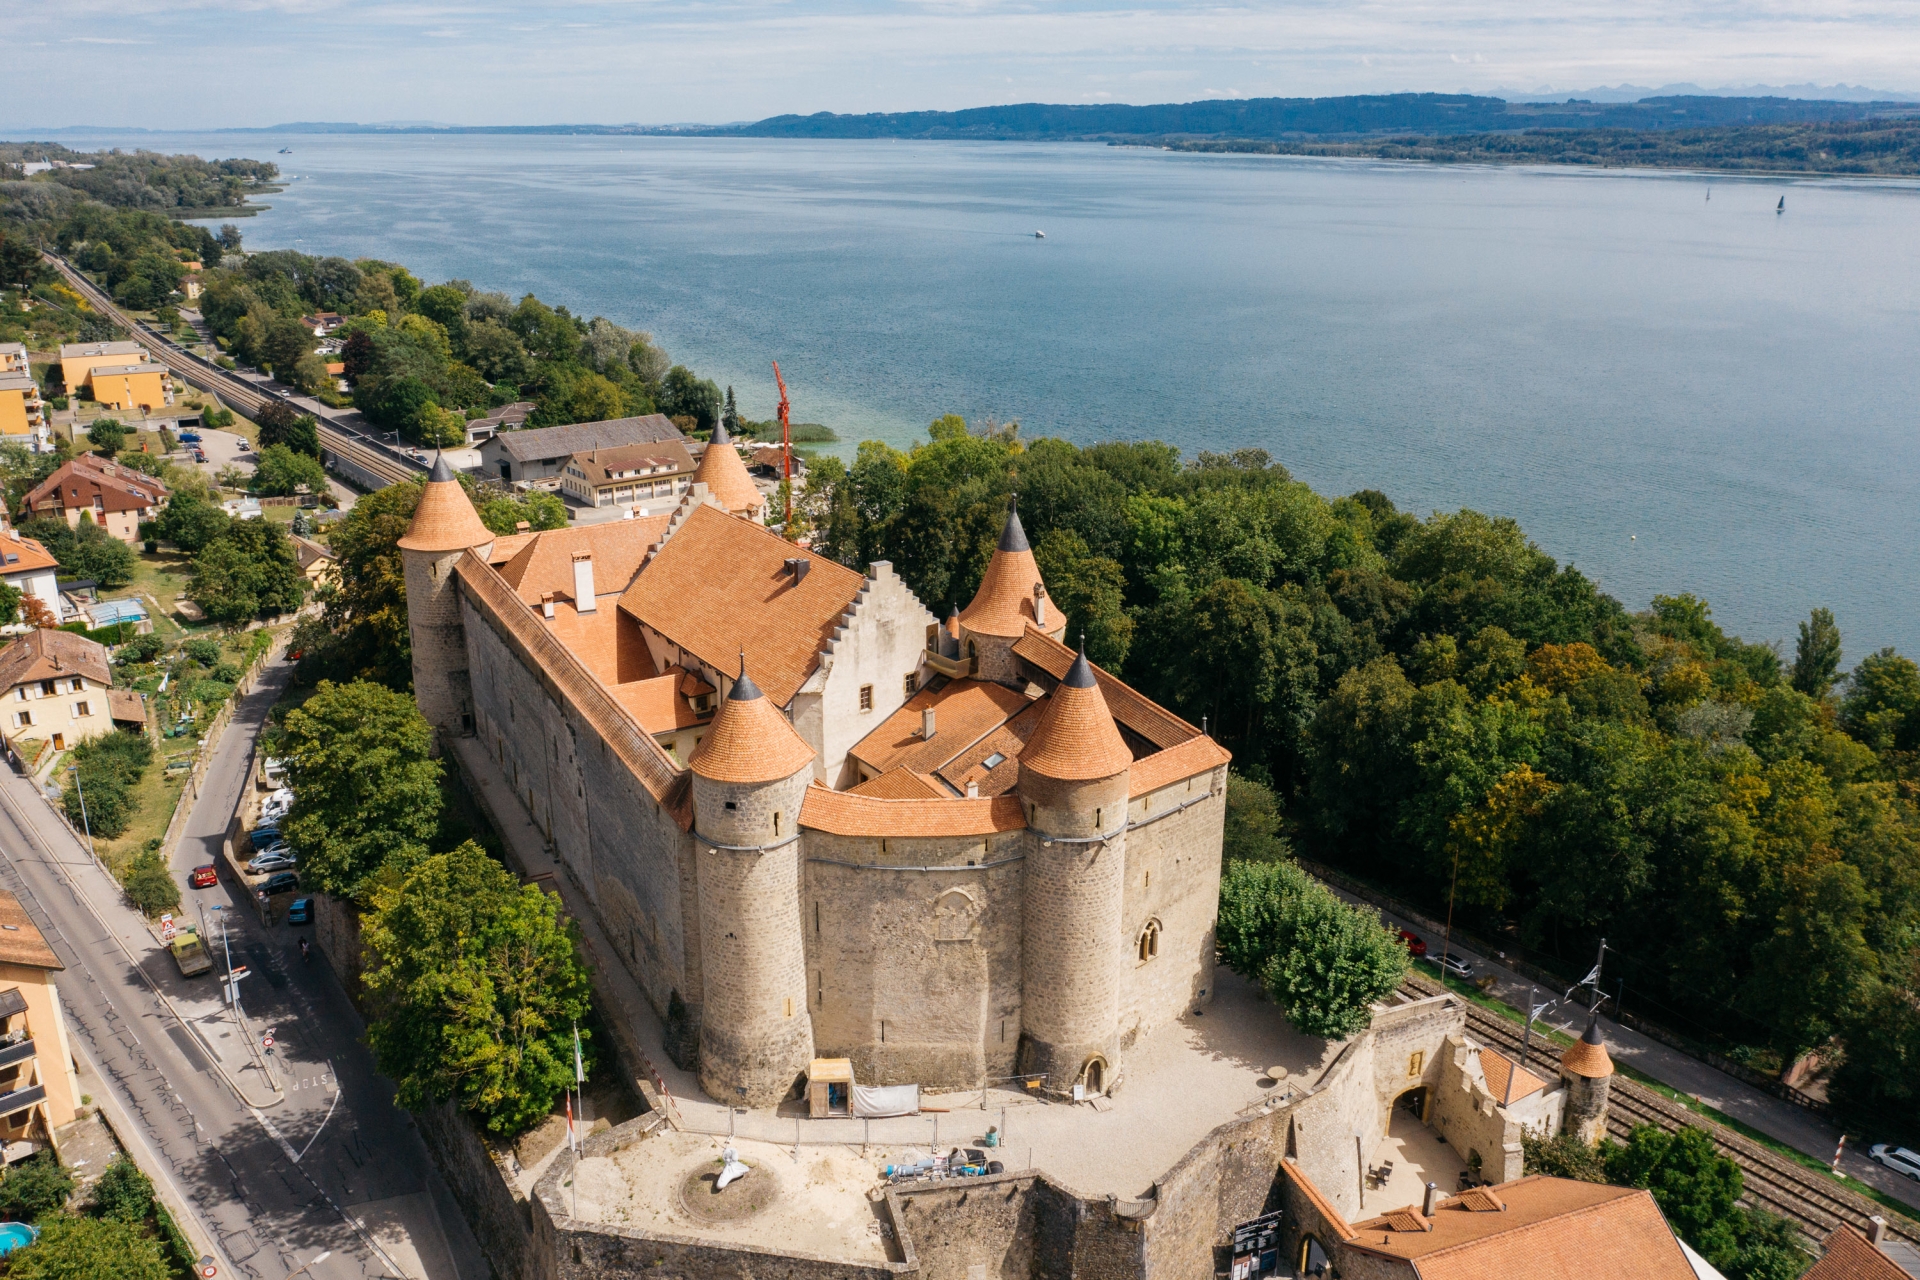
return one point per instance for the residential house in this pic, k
(143, 386)
(1876, 1255)
(117, 497)
(508, 417)
(22, 416)
(54, 686)
(543, 454)
(39, 1088)
(770, 460)
(630, 475)
(315, 561)
(133, 379)
(323, 322)
(29, 568)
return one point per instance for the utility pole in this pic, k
(85, 821)
(1598, 961)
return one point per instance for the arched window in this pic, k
(953, 916)
(1150, 940)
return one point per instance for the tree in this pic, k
(150, 885)
(540, 510)
(1882, 704)
(249, 571)
(1253, 822)
(1564, 1156)
(190, 522)
(478, 982)
(9, 603)
(281, 423)
(367, 791)
(369, 610)
(107, 435)
(124, 1193)
(1091, 591)
(1325, 963)
(1816, 656)
(282, 471)
(685, 394)
(80, 1248)
(85, 551)
(229, 237)
(34, 1187)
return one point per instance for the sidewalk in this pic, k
(1799, 1128)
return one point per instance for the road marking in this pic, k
(323, 1124)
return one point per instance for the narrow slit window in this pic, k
(866, 697)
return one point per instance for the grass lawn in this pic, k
(154, 796)
(1559, 1039)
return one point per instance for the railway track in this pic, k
(366, 456)
(1813, 1201)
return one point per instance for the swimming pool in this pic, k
(14, 1235)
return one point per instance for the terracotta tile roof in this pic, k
(309, 553)
(1176, 764)
(23, 555)
(1500, 1071)
(445, 519)
(1335, 1222)
(1003, 606)
(525, 631)
(605, 639)
(1550, 1229)
(657, 704)
(1481, 1200)
(1407, 1219)
(21, 941)
(727, 480)
(1007, 742)
(563, 442)
(1850, 1256)
(1076, 738)
(633, 462)
(842, 813)
(542, 563)
(1587, 1056)
(750, 741)
(46, 654)
(964, 712)
(898, 784)
(77, 482)
(1136, 711)
(720, 584)
(508, 545)
(126, 705)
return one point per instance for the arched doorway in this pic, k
(1093, 1076)
(1414, 1103)
(1313, 1258)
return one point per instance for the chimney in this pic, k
(583, 601)
(546, 605)
(1876, 1230)
(973, 790)
(521, 526)
(1039, 605)
(926, 724)
(798, 567)
(1427, 1202)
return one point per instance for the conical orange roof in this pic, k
(445, 519)
(1076, 739)
(1588, 1056)
(1003, 606)
(750, 740)
(726, 476)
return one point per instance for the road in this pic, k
(316, 1158)
(1799, 1128)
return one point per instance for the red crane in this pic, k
(786, 440)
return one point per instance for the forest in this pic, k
(1436, 706)
(178, 184)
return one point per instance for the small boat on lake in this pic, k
(1039, 235)
(1782, 206)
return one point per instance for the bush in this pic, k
(124, 1193)
(1565, 1156)
(141, 649)
(203, 651)
(109, 766)
(225, 673)
(34, 1187)
(76, 1248)
(150, 885)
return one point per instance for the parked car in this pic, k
(274, 769)
(1415, 943)
(1899, 1159)
(1458, 966)
(300, 911)
(277, 860)
(277, 805)
(189, 954)
(189, 437)
(281, 882)
(204, 877)
(199, 455)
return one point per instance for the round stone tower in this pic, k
(1011, 598)
(1589, 1075)
(444, 526)
(750, 774)
(1073, 785)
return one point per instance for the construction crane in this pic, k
(786, 441)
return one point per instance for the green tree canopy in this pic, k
(283, 471)
(83, 1248)
(107, 435)
(84, 551)
(190, 522)
(478, 982)
(248, 571)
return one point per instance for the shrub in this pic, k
(108, 768)
(123, 1192)
(226, 673)
(141, 649)
(34, 1187)
(150, 885)
(203, 651)
(76, 1248)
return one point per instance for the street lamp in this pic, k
(85, 822)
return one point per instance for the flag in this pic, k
(579, 1071)
(571, 1144)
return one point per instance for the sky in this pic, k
(208, 64)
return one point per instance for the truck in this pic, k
(189, 954)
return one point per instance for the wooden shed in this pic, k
(830, 1088)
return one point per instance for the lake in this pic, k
(1675, 392)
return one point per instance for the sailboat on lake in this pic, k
(1781, 207)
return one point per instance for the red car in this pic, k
(204, 877)
(1415, 943)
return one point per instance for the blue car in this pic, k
(300, 911)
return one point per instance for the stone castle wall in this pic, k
(1172, 882)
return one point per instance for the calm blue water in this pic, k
(1675, 393)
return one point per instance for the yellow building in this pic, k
(39, 1090)
(80, 360)
(57, 686)
(21, 413)
(132, 386)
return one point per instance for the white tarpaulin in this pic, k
(873, 1101)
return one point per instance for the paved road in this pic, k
(1796, 1126)
(329, 1164)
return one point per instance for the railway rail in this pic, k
(1815, 1202)
(366, 455)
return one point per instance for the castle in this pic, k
(816, 821)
